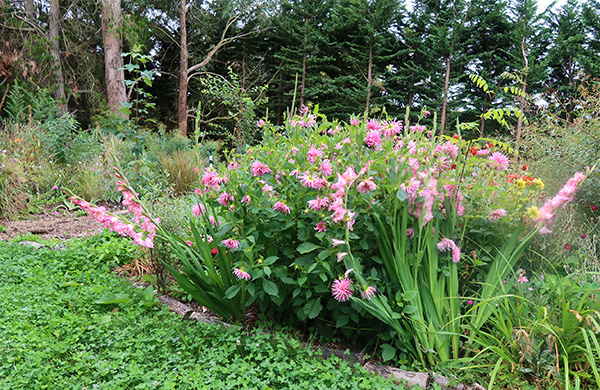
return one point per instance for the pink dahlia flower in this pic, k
(241, 274)
(320, 227)
(341, 289)
(373, 139)
(366, 186)
(500, 161)
(318, 204)
(497, 214)
(231, 243)
(259, 169)
(282, 207)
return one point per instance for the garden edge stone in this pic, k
(409, 378)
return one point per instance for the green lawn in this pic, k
(59, 329)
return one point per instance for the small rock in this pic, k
(34, 244)
(59, 247)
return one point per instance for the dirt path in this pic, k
(48, 226)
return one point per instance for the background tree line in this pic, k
(224, 61)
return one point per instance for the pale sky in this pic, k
(542, 4)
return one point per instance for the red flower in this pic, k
(214, 251)
(568, 246)
(473, 151)
(524, 167)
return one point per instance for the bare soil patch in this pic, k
(46, 226)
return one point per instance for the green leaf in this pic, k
(270, 287)
(267, 271)
(410, 309)
(306, 247)
(401, 195)
(232, 291)
(110, 299)
(410, 295)
(387, 352)
(270, 260)
(313, 308)
(342, 321)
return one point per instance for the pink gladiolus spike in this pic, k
(369, 293)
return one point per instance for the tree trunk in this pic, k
(183, 71)
(303, 82)
(304, 56)
(369, 78)
(521, 100)
(113, 62)
(446, 87)
(59, 94)
(29, 9)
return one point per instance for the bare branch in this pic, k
(222, 42)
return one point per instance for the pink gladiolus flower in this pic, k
(241, 274)
(196, 170)
(246, 200)
(417, 129)
(320, 227)
(232, 165)
(213, 221)
(267, 188)
(261, 123)
(366, 186)
(445, 245)
(410, 233)
(341, 289)
(282, 207)
(335, 242)
(189, 243)
(522, 279)
(500, 161)
(369, 293)
(259, 169)
(231, 243)
(341, 255)
(564, 196)
(497, 214)
(455, 254)
(198, 209)
(354, 121)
